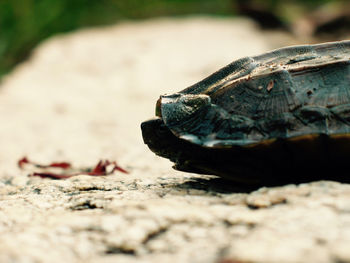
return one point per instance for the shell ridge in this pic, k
(318, 49)
(246, 63)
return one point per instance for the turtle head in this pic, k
(177, 107)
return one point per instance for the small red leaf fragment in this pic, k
(62, 165)
(118, 168)
(100, 168)
(22, 161)
(103, 167)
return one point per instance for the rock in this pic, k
(81, 97)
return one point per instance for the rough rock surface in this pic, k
(82, 97)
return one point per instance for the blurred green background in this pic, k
(24, 23)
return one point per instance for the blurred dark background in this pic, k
(24, 23)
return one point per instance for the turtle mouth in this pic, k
(158, 137)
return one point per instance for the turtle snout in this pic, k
(175, 108)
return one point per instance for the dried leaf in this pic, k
(63, 165)
(67, 171)
(101, 168)
(22, 162)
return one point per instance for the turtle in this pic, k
(282, 116)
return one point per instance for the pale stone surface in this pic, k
(82, 97)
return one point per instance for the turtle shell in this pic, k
(261, 118)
